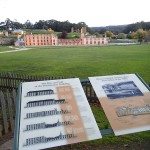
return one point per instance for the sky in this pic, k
(94, 13)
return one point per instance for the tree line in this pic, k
(57, 26)
(139, 31)
(123, 28)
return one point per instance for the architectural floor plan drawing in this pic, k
(54, 113)
(125, 100)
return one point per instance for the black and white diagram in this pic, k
(121, 90)
(38, 140)
(45, 102)
(44, 125)
(40, 93)
(46, 113)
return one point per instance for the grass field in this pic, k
(81, 62)
(6, 48)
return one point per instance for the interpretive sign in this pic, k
(53, 113)
(125, 100)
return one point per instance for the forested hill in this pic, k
(116, 29)
(123, 28)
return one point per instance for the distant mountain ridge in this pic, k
(122, 28)
(113, 28)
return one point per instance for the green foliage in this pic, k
(70, 35)
(109, 34)
(73, 35)
(100, 117)
(147, 36)
(140, 35)
(97, 34)
(121, 36)
(5, 48)
(123, 28)
(42, 31)
(135, 26)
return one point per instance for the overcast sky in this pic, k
(92, 12)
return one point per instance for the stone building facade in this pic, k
(52, 40)
(41, 40)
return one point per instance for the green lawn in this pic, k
(6, 48)
(79, 61)
(83, 62)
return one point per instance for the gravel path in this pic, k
(16, 50)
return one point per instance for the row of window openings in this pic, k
(69, 43)
(65, 43)
(41, 41)
(38, 44)
(41, 37)
(94, 42)
(93, 38)
(38, 37)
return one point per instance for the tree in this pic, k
(97, 34)
(135, 26)
(28, 25)
(109, 34)
(147, 37)
(17, 25)
(121, 36)
(132, 35)
(39, 24)
(140, 35)
(64, 35)
(2, 25)
(102, 31)
(9, 24)
(45, 27)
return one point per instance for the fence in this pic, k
(7, 112)
(11, 80)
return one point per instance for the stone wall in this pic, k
(7, 40)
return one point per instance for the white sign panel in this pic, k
(125, 100)
(54, 113)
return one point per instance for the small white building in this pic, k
(19, 42)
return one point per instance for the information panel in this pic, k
(54, 113)
(125, 100)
